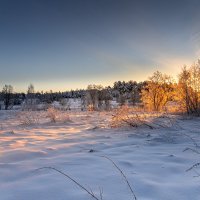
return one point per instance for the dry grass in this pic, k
(29, 117)
(133, 117)
(57, 116)
(39, 117)
(89, 191)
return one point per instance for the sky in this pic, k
(68, 44)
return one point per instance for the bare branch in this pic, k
(193, 166)
(77, 183)
(190, 149)
(123, 175)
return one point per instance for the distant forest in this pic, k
(157, 93)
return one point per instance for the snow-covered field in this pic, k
(153, 160)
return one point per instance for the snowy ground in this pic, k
(154, 161)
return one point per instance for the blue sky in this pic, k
(64, 44)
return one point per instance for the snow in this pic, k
(154, 161)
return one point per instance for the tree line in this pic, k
(154, 94)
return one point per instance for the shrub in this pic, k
(29, 117)
(57, 116)
(126, 116)
(52, 113)
(135, 117)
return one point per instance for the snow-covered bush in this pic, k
(126, 116)
(63, 116)
(52, 113)
(134, 117)
(56, 115)
(29, 117)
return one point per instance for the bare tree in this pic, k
(7, 94)
(93, 96)
(83, 102)
(30, 98)
(105, 97)
(158, 91)
(188, 90)
(31, 92)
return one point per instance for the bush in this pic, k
(52, 113)
(126, 116)
(29, 117)
(134, 117)
(57, 116)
